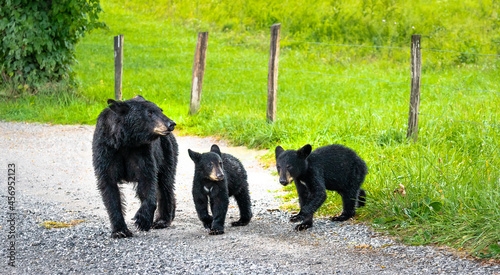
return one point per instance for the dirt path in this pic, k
(55, 181)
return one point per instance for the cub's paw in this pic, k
(296, 218)
(216, 232)
(302, 226)
(240, 223)
(142, 222)
(207, 223)
(159, 224)
(340, 218)
(125, 233)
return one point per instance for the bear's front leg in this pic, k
(218, 204)
(312, 200)
(201, 206)
(146, 191)
(304, 199)
(110, 193)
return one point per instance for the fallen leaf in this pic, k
(401, 190)
(53, 224)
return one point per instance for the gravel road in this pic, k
(55, 182)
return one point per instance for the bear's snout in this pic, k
(217, 177)
(216, 174)
(283, 182)
(220, 177)
(164, 128)
(171, 125)
(285, 177)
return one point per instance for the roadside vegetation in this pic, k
(442, 190)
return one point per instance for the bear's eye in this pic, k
(150, 113)
(288, 167)
(278, 167)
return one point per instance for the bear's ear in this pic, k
(278, 151)
(118, 107)
(304, 151)
(194, 155)
(215, 149)
(139, 98)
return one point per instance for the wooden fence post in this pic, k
(272, 77)
(416, 65)
(118, 66)
(198, 72)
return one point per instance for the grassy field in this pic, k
(328, 93)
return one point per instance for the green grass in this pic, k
(356, 96)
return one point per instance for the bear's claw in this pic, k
(340, 218)
(159, 224)
(240, 223)
(296, 218)
(216, 232)
(302, 227)
(121, 234)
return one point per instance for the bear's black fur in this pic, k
(133, 143)
(217, 177)
(333, 167)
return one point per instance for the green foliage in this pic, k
(466, 26)
(39, 38)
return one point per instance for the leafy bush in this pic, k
(39, 37)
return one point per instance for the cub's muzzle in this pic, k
(285, 177)
(284, 182)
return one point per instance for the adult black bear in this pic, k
(133, 142)
(217, 177)
(332, 167)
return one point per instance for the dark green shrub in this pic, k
(38, 39)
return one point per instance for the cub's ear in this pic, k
(118, 107)
(139, 98)
(215, 149)
(194, 155)
(278, 151)
(304, 151)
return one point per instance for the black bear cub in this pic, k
(333, 167)
(217, 177)
(133, 143)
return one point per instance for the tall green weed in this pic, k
(466, 26)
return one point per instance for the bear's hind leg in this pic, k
(146, 191)
(166, 203)
(245, 207)
(349, 201)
